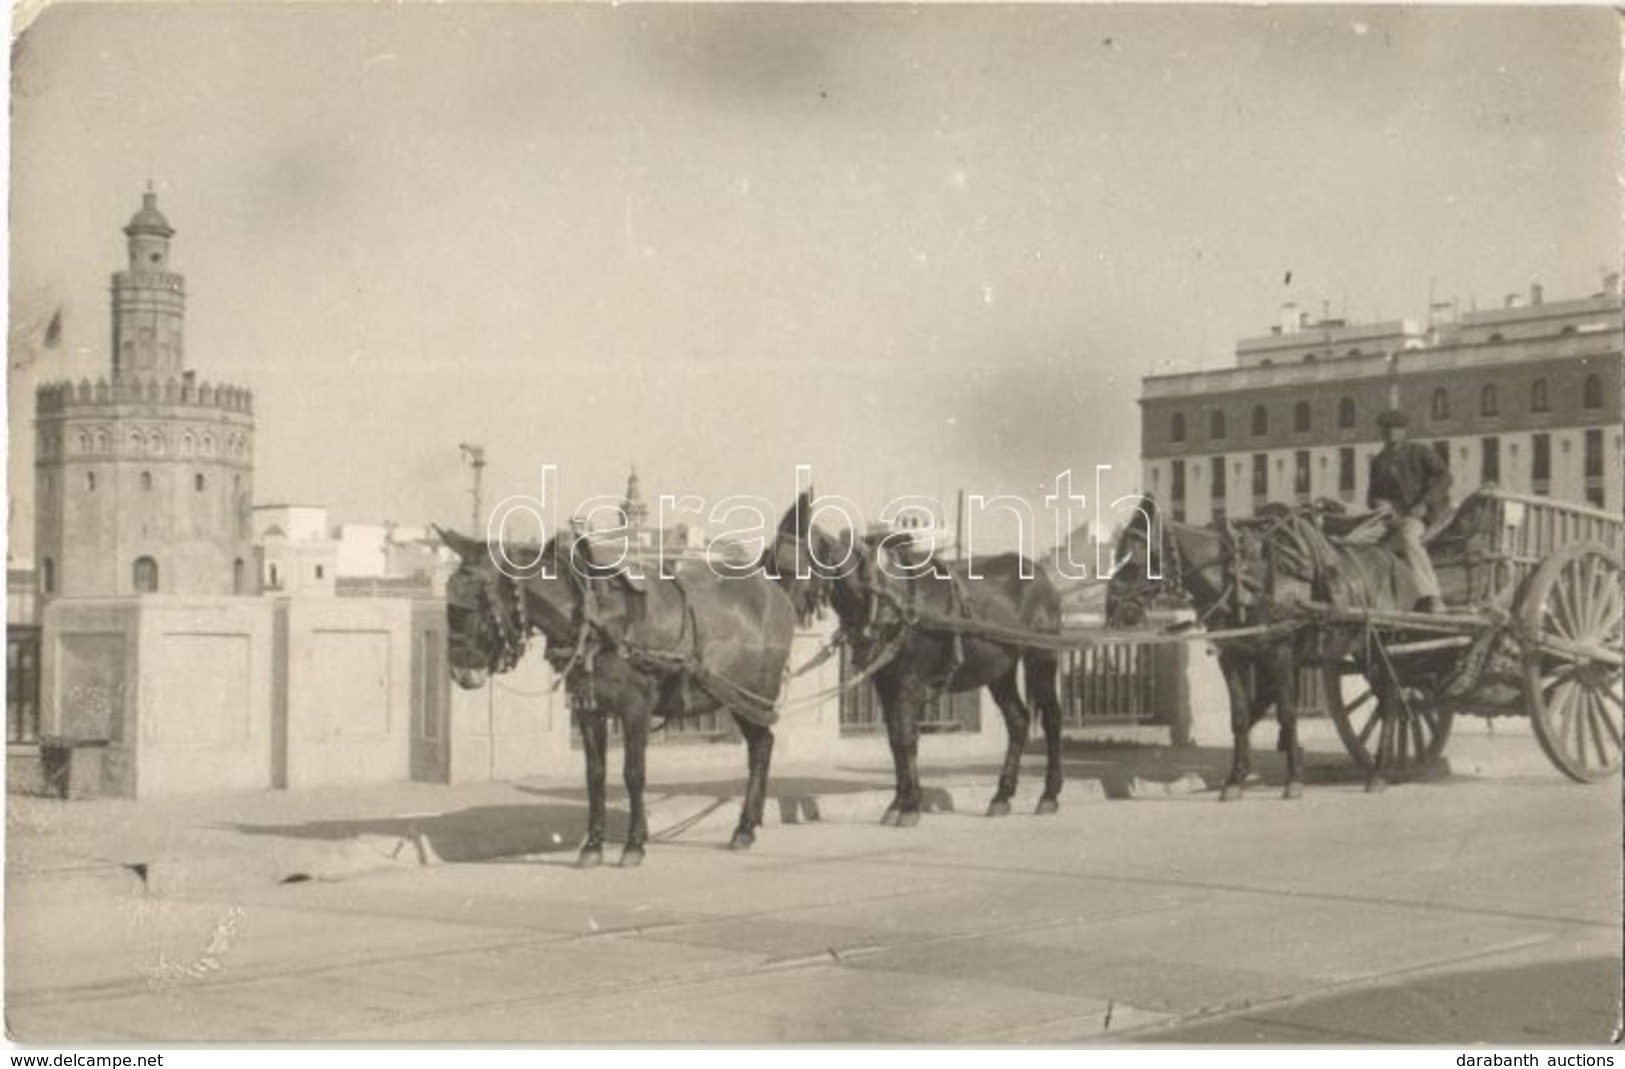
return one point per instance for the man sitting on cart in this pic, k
(1410, 487)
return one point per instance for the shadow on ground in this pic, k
(479, 833)
(557, 821)
(1568, 1003)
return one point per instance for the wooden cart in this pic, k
(1542, 637)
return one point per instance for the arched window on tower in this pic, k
(1591, 392)
(199, 482)
(1538, 401)
(1489, 402)
(90, 481)
(1176, 427)
(146, 480)
(1440, 408)
(145, 575)
(1261, 421)
(1216, 425)
(1302, 417)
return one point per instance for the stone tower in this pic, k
(144, 480)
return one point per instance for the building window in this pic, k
(1216, 426)
(1176, 427)
(146, 575)
(1489, 460)
(239, 572)
(1540, 464)
(199, 482)
(1301, 474)
(1261, 421)
(1345, 413)
(146, 480)
(1218, 482)
(1440, 408)
(320, 571)
(1302, 417)
(1345, 473)
(1537, 397)
(1261, 479)
(1354, 352)
(47, 576)
(1497, 337)
(1595, 491)
(90, 481)
(1309, 358)
(276, 578)
(1591, 394)
(1489, 404)
(1176, 487)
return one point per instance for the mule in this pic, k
(632, 648)
(893, 621)
(1256, 573)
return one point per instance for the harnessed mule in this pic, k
(1260, 572)
(894, 628)
(679, 645)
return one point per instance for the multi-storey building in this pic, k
(1526, 396)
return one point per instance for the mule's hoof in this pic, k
(591, 857)
(742, 840)
(1231, 793)
(890, 817)
(908, 818)
(1376, 785)
(631, 857)
(1047, 807)
(1294, 789)
(998, 808)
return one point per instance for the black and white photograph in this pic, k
(803, 525)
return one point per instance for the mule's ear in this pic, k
(463, 547)
(804, 511)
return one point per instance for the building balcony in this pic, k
(1515, 351)
(1226, 380)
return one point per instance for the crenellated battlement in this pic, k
(64, 396)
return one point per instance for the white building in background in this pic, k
(297, 554)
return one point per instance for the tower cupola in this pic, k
(149, 301)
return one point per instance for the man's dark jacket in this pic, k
(1408, 474)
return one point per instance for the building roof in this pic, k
(149, 220)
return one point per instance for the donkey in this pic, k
(627, 647)
(915, 630)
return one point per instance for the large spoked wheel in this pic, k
(1571, 613)
(1418, 726)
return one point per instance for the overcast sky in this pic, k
(917, 248)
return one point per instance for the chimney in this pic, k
(1289, 318)
(1537, 295)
